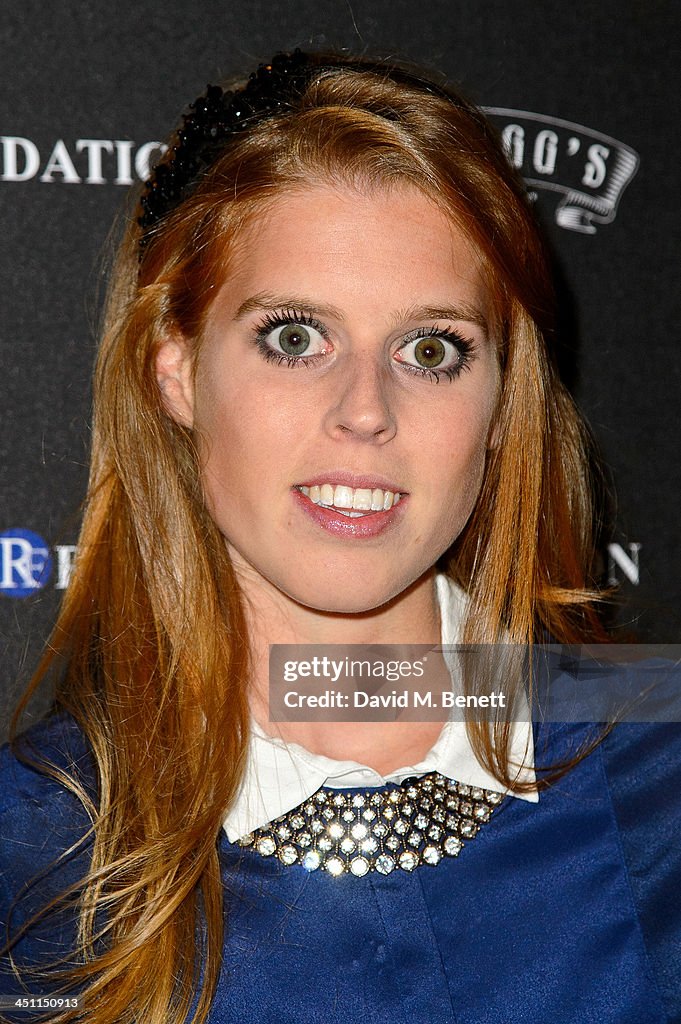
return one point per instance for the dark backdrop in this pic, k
(587, 96)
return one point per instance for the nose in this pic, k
(362, 405)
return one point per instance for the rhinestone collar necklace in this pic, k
(357, 831)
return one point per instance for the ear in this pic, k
(175, 379)
(496, 428)
(495, 433)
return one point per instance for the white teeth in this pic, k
(342, 497)
(360, 499)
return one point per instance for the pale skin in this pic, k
(380, 282)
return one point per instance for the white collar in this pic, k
(280, 775)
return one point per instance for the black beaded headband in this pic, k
(212, 118)
(219, 114)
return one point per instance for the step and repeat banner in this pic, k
(585, 96)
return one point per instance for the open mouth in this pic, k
(353, 502)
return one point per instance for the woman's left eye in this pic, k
(289, 339)
(435, 353)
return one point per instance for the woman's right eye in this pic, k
(291, 338)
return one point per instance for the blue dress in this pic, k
(568, 910)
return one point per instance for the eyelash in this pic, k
(465, 347)
(271, 321)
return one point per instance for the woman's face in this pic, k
(343, 395)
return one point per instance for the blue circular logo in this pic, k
(25, 563)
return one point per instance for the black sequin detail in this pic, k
(211, 120)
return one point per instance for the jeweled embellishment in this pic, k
(385, 864)
(312, 860)
(335, 865)
(408, 861)
(288, 854)
(377, 830)
(359, 866)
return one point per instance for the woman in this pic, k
(326, 414)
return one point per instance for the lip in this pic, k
(370, 525)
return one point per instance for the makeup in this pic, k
(351, 522)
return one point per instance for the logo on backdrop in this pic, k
(26, 563)
(589, 171)
(83, 162)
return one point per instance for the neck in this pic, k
(411, 618)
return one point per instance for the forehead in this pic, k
(344, 245)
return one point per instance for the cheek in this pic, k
(464, 483)
(458, 432)
(459, 461)
(243, 435)
(221, 438)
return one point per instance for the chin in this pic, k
(360, 594)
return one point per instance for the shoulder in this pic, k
(642, 765)
(34, 769)
(639, 766)
(616, 817)
(45, 845)
(41, 817)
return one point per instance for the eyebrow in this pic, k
(459, 311)
(268, 300)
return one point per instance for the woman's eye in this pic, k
(435, 352)
(430, 352)
(292, 340)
